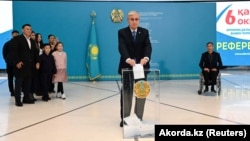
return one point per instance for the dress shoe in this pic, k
(39, 94)
(45, 98)
(32, 97)
(122, 123)
(212, 90)
(28, 101)
(206, 90)
(19, 104)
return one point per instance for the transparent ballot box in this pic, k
(140, 102)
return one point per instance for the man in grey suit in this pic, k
(135, 48)
(25, 58)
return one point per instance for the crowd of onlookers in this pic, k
(34, 67)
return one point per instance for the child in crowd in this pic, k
(47, 70)
(61, 65)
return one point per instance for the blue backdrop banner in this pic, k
(178, 33)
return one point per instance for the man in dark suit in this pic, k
(134, 48)
(8, 56)
(52, 42)
(25, 58)
(210, 63)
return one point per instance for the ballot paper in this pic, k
(138, 71)
(147, 129)
(132, 120)
(136, 128)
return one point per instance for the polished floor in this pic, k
(91, 110)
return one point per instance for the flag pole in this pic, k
(93, 15)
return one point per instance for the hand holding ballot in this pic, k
(138, 71)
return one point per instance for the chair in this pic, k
(202, 83)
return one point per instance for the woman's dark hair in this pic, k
(41, 42)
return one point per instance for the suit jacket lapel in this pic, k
(26, 42)
(138, 34)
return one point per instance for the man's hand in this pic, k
(214, 69)
(206, 69)
(131, 62)
(37, 66)
(19, 65)
(143, 61)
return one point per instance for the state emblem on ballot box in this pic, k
(141, 89)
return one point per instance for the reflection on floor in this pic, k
(91, 110)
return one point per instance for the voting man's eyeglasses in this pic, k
(134, 19)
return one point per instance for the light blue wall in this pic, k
(181, 33)
(4, 37)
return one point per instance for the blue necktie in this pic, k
(134, 34)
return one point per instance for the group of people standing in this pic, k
(34, 67)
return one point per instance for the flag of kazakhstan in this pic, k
(92, 61)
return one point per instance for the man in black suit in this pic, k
(210, 63)
(25, 58)
(8, 56)
(133, 49)
(52, 42)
